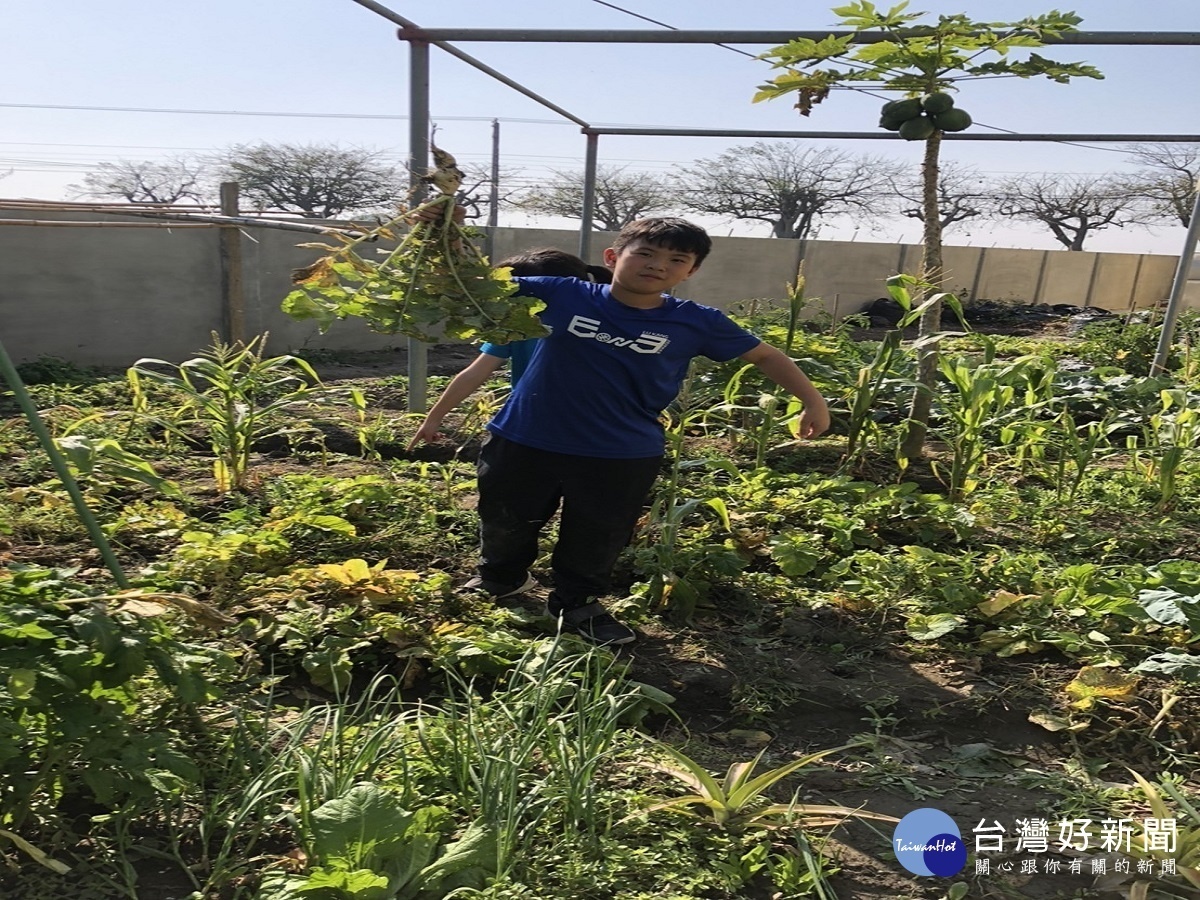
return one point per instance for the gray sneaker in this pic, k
(593, 623)
(500, 591)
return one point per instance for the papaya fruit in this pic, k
(952, 120)
(901, 110)
(937, 103)
(889, 123)
(917, 129)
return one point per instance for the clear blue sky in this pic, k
(334, 56)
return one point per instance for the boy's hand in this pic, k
(813, 423)
(436, 212)
(428, 433)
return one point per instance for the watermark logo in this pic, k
(927, 842)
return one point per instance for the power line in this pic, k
(665, 25)
(274, 113)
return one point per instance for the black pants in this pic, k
(520, 488)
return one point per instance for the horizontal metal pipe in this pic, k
(892, 136)
(410, 31)
(15, 203)
(692, 36)
(62, 223)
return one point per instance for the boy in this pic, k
(541, 261)
(582, 426)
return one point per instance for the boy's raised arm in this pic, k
(775, 364)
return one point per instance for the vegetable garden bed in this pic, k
(1002, 630)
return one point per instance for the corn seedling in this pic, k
(982, 404)
(369, 431)
(1178, 840)
(102, 459)
(739, 801)
(667, 514)
(234, 395)
(435, 284)
(1078, 448)
(1171, 434)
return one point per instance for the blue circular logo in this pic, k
(927, 842)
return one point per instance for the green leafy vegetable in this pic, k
(435, 284)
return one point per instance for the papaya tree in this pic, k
(921, 65)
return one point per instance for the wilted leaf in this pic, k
(1099, 681)
(1054, 722)
(999, 602)
(930, 628)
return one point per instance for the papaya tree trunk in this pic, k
(931, 322)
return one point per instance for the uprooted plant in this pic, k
(434, 284)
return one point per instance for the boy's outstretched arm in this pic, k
(775, 364)
(461, 386)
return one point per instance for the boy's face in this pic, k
(645, 268)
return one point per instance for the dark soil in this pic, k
(950, 733)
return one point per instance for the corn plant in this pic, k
(739, 800)
(984, 404)
(1185, 851)
(1170, 435)
(872, 379)
(370, 432)
(766, 411)
(1077, 449)
(233, 395)
(668, 590)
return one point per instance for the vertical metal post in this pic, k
(418, 165)
(980, 261)
(1041, 279)
(1175, 301)
(233, 293)
(489, 246)
(589, 196)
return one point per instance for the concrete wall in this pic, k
(108, 296)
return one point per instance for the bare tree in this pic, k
(789, 186)
(169, 181)
(786, 186)
(961, 194)
(1071, 206)
(1169, 180)
(476, 191)
(318, 181)
(621, 197)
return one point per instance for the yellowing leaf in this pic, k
(1000, 601)
(1097, 681)
(147, 609)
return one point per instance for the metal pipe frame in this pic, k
(698, 36)
(418, 165)
(440, 37)
(891, 136)
(413, 33)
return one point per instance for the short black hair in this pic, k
(669, 232)
(599, 274)
(546, 261)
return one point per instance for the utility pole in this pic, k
(494, 196)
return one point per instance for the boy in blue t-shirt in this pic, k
(540, 261)
(582, 426)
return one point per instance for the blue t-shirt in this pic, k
(518, 354)
(598, 383)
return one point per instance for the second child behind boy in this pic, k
(540, 261)
(582, 426)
